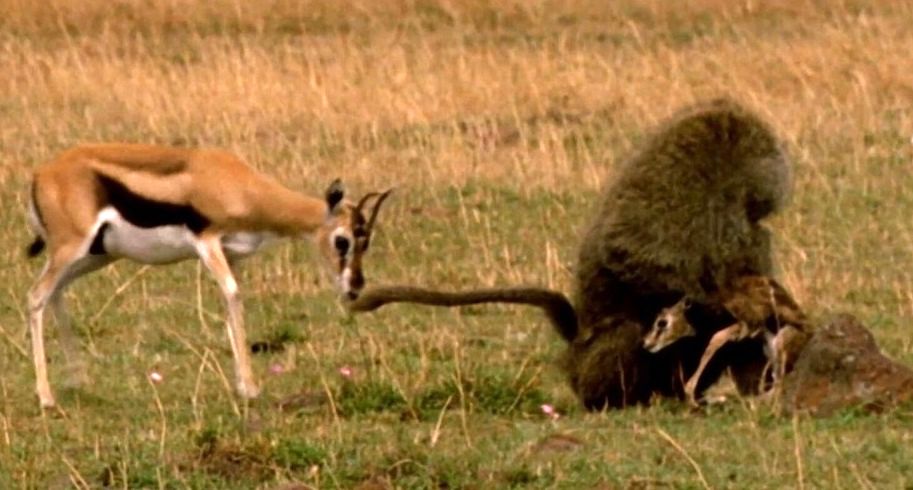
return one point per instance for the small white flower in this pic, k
(345, 372)
(155, 377)
(277, 368)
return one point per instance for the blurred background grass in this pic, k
(497, 121)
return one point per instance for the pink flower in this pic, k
(550, 411)
(155, 377)
(277, 368)
(346, 372)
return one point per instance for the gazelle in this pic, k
(762, 309)
(94, 204)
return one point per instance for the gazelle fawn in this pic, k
(761, 309)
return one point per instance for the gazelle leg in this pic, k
(37, 300)
(210, 251)
(45, 288)
(716, 342)
(784, 350)
(76, 367)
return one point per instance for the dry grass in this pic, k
(497, 121)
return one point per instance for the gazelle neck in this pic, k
(288, 213)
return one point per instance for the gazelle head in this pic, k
(670, 325)
(344, 237)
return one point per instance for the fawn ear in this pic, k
(335, 193)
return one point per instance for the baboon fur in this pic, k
(681, 217)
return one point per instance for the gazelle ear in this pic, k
(335, 193)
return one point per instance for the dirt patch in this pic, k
(558, 443)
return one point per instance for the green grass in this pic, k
(497, 122)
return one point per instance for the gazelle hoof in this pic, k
(47, 401)
(248, 390)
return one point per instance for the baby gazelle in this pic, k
(762, 310)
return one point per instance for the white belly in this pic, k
(168, 244)
(160, 245)
(243, 243)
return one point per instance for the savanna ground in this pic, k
(497, 123)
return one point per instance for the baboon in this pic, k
(761, 310)
(680, 218)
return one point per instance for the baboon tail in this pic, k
(556, 306)
(35, 248)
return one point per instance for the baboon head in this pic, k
(670, 325)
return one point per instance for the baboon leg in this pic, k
(718, 340)
(607, 369)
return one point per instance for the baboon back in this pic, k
(683, 214)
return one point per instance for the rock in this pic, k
(841, 367)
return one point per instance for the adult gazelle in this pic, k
(94, 204)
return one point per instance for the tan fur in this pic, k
(220, 185)
(669, 326)
(226, 197)
(762, 309)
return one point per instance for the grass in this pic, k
(497, 122)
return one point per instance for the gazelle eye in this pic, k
(662, 323)
(361, 239)
(362, 243)
(342, 244)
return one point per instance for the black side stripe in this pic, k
(98, 243)
(148, 213)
